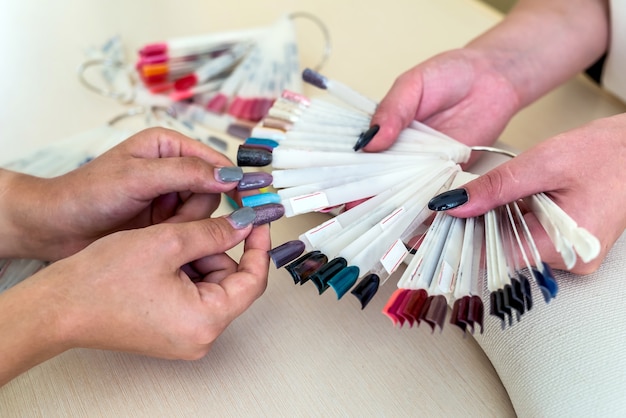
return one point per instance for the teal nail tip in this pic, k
(260, 199)
(261, 141)
(344, 280)
(366, 289)
(448, 200)
(321, 277)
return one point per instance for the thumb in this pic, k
(517, 178)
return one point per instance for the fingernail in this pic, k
(448, 200)
(241, 218)
(260, 199)
(228, 174)
(253, 157)
(366, 137)
(268, 213)
(252, 181)
(286, 253)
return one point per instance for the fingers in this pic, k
(197, 206)
(166, 143)
(242, 288)
(396, 111)
(517, 178)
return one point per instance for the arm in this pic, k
(471, 93)
(119, 292)
(157, 175)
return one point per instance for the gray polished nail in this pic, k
(242, 217)
(228, 174)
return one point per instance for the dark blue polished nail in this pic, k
(366, 137)
(448, 200)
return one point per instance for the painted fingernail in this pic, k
(448, 200)
(241, 218)
(287, 252)
(260, 199)
(366, 137)
(253, 181)
(268, 213)
(228, 174)
(253, 157)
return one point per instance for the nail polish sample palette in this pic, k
(313, 147)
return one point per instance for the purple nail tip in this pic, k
(253, 181)
(314, 78)
(238, 130)
(287, 252)
(268, 213)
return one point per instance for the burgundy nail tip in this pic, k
(286, 253)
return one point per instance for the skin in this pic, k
(471, 94)
(141, 266)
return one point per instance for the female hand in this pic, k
(582, 171)
(155, 176)
(131, 291)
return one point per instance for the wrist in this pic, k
(26, 224)
(31, 326)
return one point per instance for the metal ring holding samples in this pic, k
(122, 97)
(325, 32)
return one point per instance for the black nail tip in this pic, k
(366, 137)
(448, 200)
(253, 157)
(366, 289)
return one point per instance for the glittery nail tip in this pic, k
(253, 157)
(286, 253)
(366, 289)
(268, 213)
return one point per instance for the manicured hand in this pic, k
(155, 176)
(581, 170)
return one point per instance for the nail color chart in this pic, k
(235, 74)
(313, 147)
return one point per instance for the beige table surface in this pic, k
(293, 353)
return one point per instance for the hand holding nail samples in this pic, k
(157, 175)
(165, 290)
(581, 170)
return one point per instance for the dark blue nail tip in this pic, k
(366, 289)
(253, 157)
(322, 276)
(301, 269)
(546, 283)
(526, 291)
(344, 280)
(286, 253)
(313, 77)
(366, 137)
(448, 200)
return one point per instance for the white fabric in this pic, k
(614, 72)
(566, 358)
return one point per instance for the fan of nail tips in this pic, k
(237, 74)
(310, 144)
